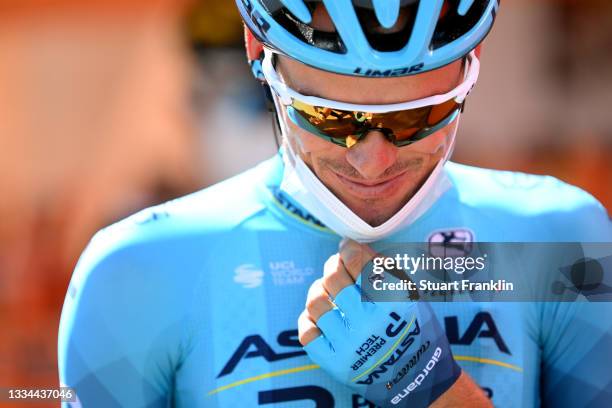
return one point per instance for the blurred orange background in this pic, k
(110, 106)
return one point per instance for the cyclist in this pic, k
(247, 293)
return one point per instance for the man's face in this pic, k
(374, 178)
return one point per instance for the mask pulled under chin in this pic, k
(301, 185)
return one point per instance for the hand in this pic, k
(385, 351)
(340, 271)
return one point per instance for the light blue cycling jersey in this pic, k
(194, 303)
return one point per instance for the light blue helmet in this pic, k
(372, 37)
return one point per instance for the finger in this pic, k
(355, 256)
(307, 329)
(333, 326)
(349, 301)
(317, 301)
(335, 276)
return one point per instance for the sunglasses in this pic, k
(345, 123)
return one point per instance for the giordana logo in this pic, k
(248, 275)
(451, 243)
(419, 378)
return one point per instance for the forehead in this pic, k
(311, 81)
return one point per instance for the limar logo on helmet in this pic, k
(389, 72)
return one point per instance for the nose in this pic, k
(372, 155)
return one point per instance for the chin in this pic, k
(375, 211)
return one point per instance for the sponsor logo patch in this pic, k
(248, 275)
(451, 243)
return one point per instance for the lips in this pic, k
(372, 189)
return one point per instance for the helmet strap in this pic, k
(276, 126)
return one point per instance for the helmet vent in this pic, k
(383, 38)
(456, 19)
(323, 39)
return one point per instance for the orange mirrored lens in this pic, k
(341, 124)
(333, 122)
(441, 111)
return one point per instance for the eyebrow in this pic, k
(292, 86)
(314, 94)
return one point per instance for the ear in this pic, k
(478, 50)
(254, 51)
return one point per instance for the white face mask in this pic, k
(301, 185)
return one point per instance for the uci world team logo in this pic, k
(452, 242)
(289, 272)
(280, 273)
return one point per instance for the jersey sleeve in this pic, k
(119, 338)
(577, 337)
(577, 355)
